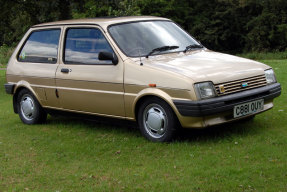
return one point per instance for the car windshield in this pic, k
(141, 38)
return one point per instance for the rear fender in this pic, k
(19, 86)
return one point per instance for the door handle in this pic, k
(65, 70)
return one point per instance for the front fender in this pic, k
(156, 93)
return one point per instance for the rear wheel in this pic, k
(29, 109)
(157, 121)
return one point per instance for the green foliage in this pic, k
(5, 54)
(16, 17)
(126, 8)
(265, 55)
(221, 25)
(90, 8)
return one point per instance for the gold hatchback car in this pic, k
(144, 69)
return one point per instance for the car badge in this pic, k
(221, 89)
(244, 85)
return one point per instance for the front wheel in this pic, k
(29, 109)
(157, 121)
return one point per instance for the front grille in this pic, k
(237, 86)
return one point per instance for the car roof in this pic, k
(101, 21)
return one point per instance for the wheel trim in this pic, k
(27, 107)
(155, 120)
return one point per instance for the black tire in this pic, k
(157, 121)
(29, 109)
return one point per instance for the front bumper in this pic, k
(226, 103)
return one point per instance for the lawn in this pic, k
(74, 155)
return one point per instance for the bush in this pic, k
(5, 54)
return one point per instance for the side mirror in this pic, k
(108, 56)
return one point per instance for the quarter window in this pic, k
(41, 47)
(82, 46)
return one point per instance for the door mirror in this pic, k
(108, 56)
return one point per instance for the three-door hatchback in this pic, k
(145, 69)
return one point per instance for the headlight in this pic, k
(204, 90)
(270, 76)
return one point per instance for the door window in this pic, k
(41, 47)
(82, 46)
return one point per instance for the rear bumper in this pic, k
(9, 88)
(226, 103)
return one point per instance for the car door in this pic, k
(84, 83)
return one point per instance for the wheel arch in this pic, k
(20, 86)
(149, 93)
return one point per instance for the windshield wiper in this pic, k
(163, 48)
(193, 46)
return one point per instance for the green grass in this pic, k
(74, 155)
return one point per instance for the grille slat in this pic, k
(248, 81)
(245, 79)
(236, 86)
(249, 85)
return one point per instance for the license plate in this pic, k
(248, 108)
